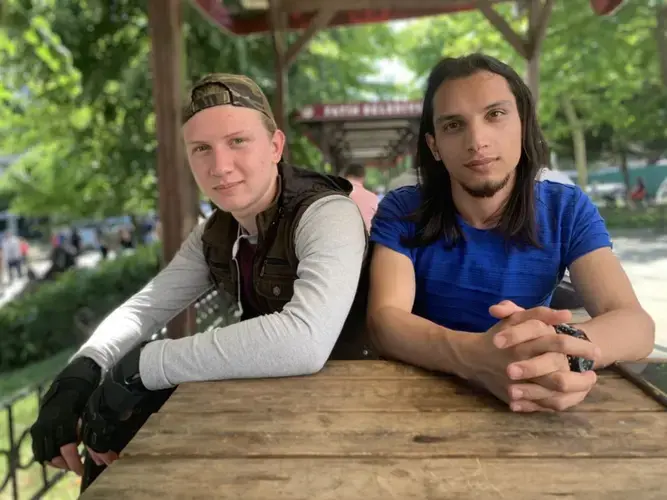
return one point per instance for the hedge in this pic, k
(44, 322)
(654, 217)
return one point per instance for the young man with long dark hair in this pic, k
(465, 263)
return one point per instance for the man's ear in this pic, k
(430, 141)
(278, 145)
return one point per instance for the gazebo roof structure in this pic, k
(243, 17)
(370, 133)
(178, 194)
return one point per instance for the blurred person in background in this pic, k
(75, 240)
(12, 255)
(103, 242)
(366, 200)
(125, 239)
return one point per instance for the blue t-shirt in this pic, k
(456, 286)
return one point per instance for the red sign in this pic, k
(360, 111)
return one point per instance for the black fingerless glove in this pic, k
(114, 400)
(61, 408)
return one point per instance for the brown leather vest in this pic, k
(275, 262)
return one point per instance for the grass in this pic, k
(24, 414)
(37, 372)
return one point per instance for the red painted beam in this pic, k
(605, 7)
(258, 22)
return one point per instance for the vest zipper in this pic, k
(272, 228)
(235, 249)
(239, 303)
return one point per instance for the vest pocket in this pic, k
(276, 280)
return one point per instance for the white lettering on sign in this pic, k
(341, 110)
(372, 109)
(391, 108)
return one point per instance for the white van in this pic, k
(661, 194)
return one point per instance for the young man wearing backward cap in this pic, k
(287, 244)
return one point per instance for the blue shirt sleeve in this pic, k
(588, 231)
(389, 225)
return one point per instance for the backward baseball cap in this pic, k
(220, 89)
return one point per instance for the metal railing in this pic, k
(12, 456)
(211, 311)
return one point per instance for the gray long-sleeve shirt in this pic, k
(329, 243)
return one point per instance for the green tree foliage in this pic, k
(604, 69)
(76, 96)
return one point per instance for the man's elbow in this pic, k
(648, 339)
(643, 335)
(375, 321)
(310, 358)
(312, 362)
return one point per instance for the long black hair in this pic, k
(436, 216)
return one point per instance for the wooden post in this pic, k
(325, 144)
(174, 180)
(317, 24)
(539, 13)
(285, 56)
(533, 63)
(278, 21)
(661, 40)
(529, 47)
(191, 197)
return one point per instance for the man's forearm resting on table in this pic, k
(621, 335)
(255, 348)
(295, 341)
(409, 338)
(179, 284)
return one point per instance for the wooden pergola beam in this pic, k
(300, 6)
(286, 55)
(538, 32)
(528, 45)
(318, 23)
(517, 41)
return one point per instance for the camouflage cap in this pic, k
(219, 89)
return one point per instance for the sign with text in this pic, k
(361, 111)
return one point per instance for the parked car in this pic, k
(661, 193)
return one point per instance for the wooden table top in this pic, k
(380, 430)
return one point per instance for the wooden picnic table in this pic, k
(377, 430)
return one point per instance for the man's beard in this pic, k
(488, 189)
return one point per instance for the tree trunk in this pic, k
(624, 168)
(242, 54)
(661, 40)
(578, 141)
